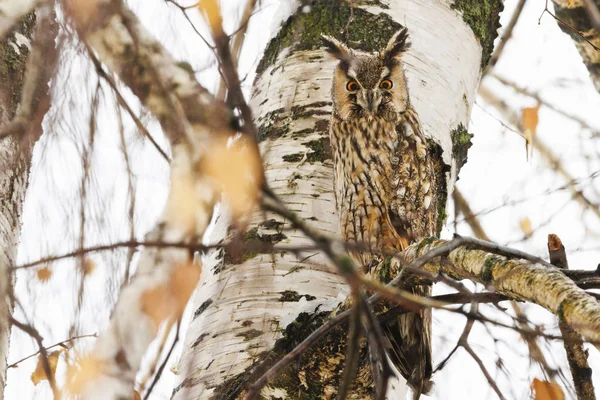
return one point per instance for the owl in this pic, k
(386, 180)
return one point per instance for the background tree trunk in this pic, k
(254, 307)
(580, 19)
(27, 59)
(14, 170)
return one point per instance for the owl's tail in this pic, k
(409, 337)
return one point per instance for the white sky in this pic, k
(539, 57)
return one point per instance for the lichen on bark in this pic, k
(461, 143)
(483, 16)
(367, 31)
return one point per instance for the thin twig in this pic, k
(164, 363)
(61, 344)
(124, 104)
(35, 335)
(506, 35)
(462, 205)
(237, 44)
(566, 25)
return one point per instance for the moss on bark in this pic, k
(368, 32)
(483, 16)
(13, 57)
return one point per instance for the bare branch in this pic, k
(576, 354)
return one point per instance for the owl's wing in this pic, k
(409, 337)
(413, 215)
(412, 208)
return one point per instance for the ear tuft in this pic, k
(336, 48)
(397, 45)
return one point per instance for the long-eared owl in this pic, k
(386, 180)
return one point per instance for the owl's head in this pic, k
(371, 85)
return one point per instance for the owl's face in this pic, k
(369, 85)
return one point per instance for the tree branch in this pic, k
(576, 355)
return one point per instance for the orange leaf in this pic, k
(525, 224)
(530, 119)
(167, 302)
(82, 373)
(211, 10)
(545, 390)
(83, 11)
(44, 274)
(157, 304)
(39, 374)
(237, 168)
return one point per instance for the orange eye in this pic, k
(352, 86)
(386, 84)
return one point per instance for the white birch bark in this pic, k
(240, 309)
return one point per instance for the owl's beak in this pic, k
(369, 101)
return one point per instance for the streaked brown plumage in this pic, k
(386, 183)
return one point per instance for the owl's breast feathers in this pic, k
(386, 191)
(384, 180)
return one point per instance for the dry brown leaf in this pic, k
(168, 301)
(79, 375)
(526, 227)
(88, 266)
(545, 390)
(39, 374)
(530, 119)
(158, 304)
(237, 168)
(136, 395)
(554, 242)
(211, 10)
(183, 282)
(83, 12)
(182, 205)
(44, 274)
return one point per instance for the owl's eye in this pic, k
(386, 84)
(352, 86)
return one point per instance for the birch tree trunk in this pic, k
(14, 170)
(253, 307)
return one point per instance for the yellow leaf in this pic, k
(182, 202)
(167, 302)
(530, 119)
(526, 227)
(44, 274)
(545, 390)
(39, 374)
(84, 371)
(211, 10)
(237, 168)
(83, 12)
